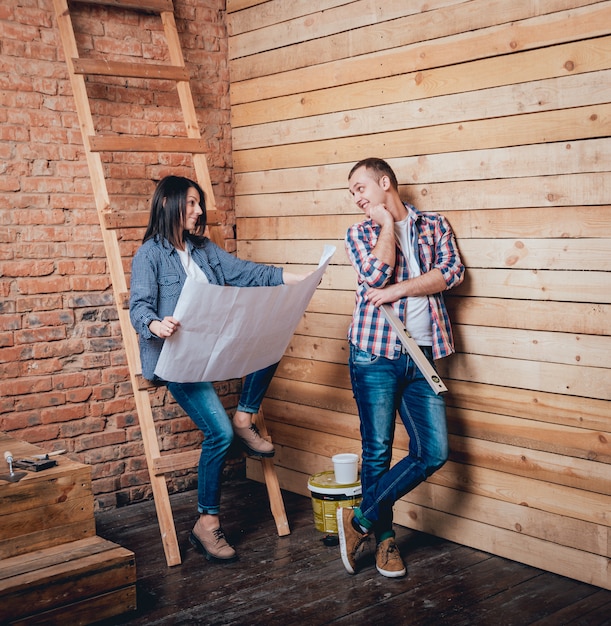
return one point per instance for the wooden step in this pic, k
(75, 583)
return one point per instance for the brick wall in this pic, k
(64, 382)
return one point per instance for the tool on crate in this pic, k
(38, 462)
(34, 465)
(12, 476)
(413, 349)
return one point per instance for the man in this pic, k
(407, 259)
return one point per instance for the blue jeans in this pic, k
(201, 403)
(382, 387)
(254, 387)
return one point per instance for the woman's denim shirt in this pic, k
(157, 279)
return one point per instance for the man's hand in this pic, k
(381, 215)
(391, 293)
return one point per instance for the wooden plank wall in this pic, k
(497, 114)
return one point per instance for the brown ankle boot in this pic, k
(253, 442)
(213, 545)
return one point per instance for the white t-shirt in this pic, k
(193, 270)
(418, 322)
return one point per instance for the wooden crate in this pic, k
(44, 508)
(53, 567)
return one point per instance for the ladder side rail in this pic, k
(188, 107)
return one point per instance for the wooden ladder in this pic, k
(111, 221)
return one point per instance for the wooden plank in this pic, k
(98, 608)
(40, 517)
(531, 65)
(551, 222)
(48, 537)
(593, 445)
(100, 67)
(355, 59)
(589, 382)
(562, 317)
(588, 413)
(531, 345)
(532, 128)
(540, 285)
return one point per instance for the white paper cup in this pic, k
(345, 466)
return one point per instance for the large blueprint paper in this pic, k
(228, 332)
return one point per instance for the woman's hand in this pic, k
(164, 328)
(292, 279)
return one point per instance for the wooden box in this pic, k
(53, 567)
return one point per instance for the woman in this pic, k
(174, 247)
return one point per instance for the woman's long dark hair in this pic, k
(169, 209)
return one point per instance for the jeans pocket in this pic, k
(361, 357)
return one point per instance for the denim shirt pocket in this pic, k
(170, 287)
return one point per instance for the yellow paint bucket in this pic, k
(328, 496)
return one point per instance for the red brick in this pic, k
(24, 386)
(65, 413)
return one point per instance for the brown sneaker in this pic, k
(350, 540)
(213, 545)
(253, 442)
(388, 559)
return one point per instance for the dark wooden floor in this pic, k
(298, 580)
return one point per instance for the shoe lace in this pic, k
(392, 552)
(255, 430)
(219, 535)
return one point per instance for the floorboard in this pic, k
(280, 581)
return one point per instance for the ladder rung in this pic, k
(98, 67)
(174, 462)
(140, 219)
(123, 143)
(131, 219)
(123, 301)
(152, 6)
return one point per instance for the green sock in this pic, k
(387, 534)
(364, 525)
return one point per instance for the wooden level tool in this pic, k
(413, 349)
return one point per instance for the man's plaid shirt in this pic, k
(437, 248)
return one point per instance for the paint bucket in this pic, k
(328, 496)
